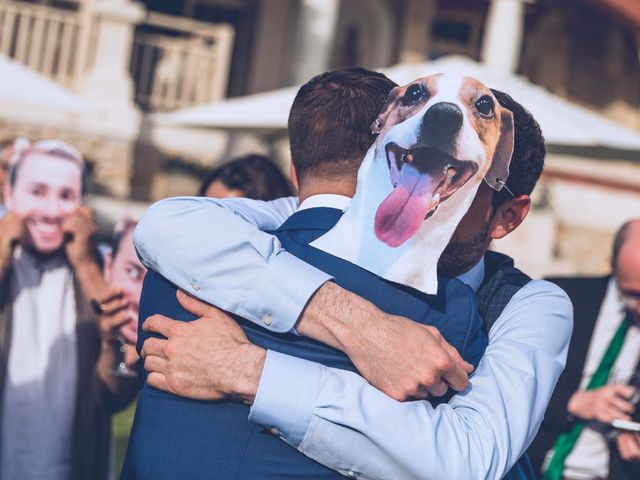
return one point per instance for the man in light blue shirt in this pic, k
(333, 416)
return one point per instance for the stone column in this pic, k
(503, 35)
(108, 86)
(314, 38)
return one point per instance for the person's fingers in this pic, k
(195, 306)
(158, 324)
(449, 364)
(457, 358)
(115, 322)
(112, 294)
(153, 347)
(114, 306)
(157, 380)
(457, 379)
(85, 212)
(624, 391)
(634, 446)
(629, 446)
(422, 393)
(130, 334)
(622, 440)
(608, 414)
(622, 405)
(153, 363)
(438, 389)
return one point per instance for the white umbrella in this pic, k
(260, 112)
(21, 87)
(563, 123)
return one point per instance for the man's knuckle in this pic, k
(446, 363)
(175, 330)
(429, 379)
(168, 349)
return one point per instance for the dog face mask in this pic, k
(438, 138)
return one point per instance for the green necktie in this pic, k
(566, 441)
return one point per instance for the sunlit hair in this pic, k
(22, 148)
(122, 228)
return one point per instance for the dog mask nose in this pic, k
(442, 119)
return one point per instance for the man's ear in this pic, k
(294, 178)
(509, 216)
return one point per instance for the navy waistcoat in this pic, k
(177, 438)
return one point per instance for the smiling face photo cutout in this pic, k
(438, 138)
(44, 187)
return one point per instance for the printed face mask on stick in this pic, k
(439, 136)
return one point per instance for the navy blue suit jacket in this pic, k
(177, 438)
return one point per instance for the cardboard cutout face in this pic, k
(126, 272)
(439, 136)
(47, 190)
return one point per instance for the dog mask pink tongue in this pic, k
(400, 214)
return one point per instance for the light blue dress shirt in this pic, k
(213, 249)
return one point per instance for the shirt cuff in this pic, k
(286, 396)
(281, 293)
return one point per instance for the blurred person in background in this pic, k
(6, 149)
(602, 376)
(124, 273)
(251, 176)
(57, 354)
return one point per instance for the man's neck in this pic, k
(322, 188)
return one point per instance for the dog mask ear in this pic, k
(498, 172)
(380, 122)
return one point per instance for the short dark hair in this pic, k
(255, 175)
(529, 151)
(330, 120)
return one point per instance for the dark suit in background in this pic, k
(587, 295)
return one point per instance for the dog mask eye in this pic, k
(485, 105)
(414, 94)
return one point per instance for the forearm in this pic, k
(352, 427)
(338, 419)
(226, 260)
(334, 316)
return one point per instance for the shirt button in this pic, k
(352, 474)
(275, 431)
(267, 320)
(195, 286)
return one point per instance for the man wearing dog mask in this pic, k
(336, 417)
(57, 390)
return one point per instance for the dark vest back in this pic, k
(199, 440)
(501, 282)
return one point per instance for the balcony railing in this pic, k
(178, 62)
(48, 40)
(175, 62)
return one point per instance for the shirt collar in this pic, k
(326, 200)
(474, 276)
(614, 294)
